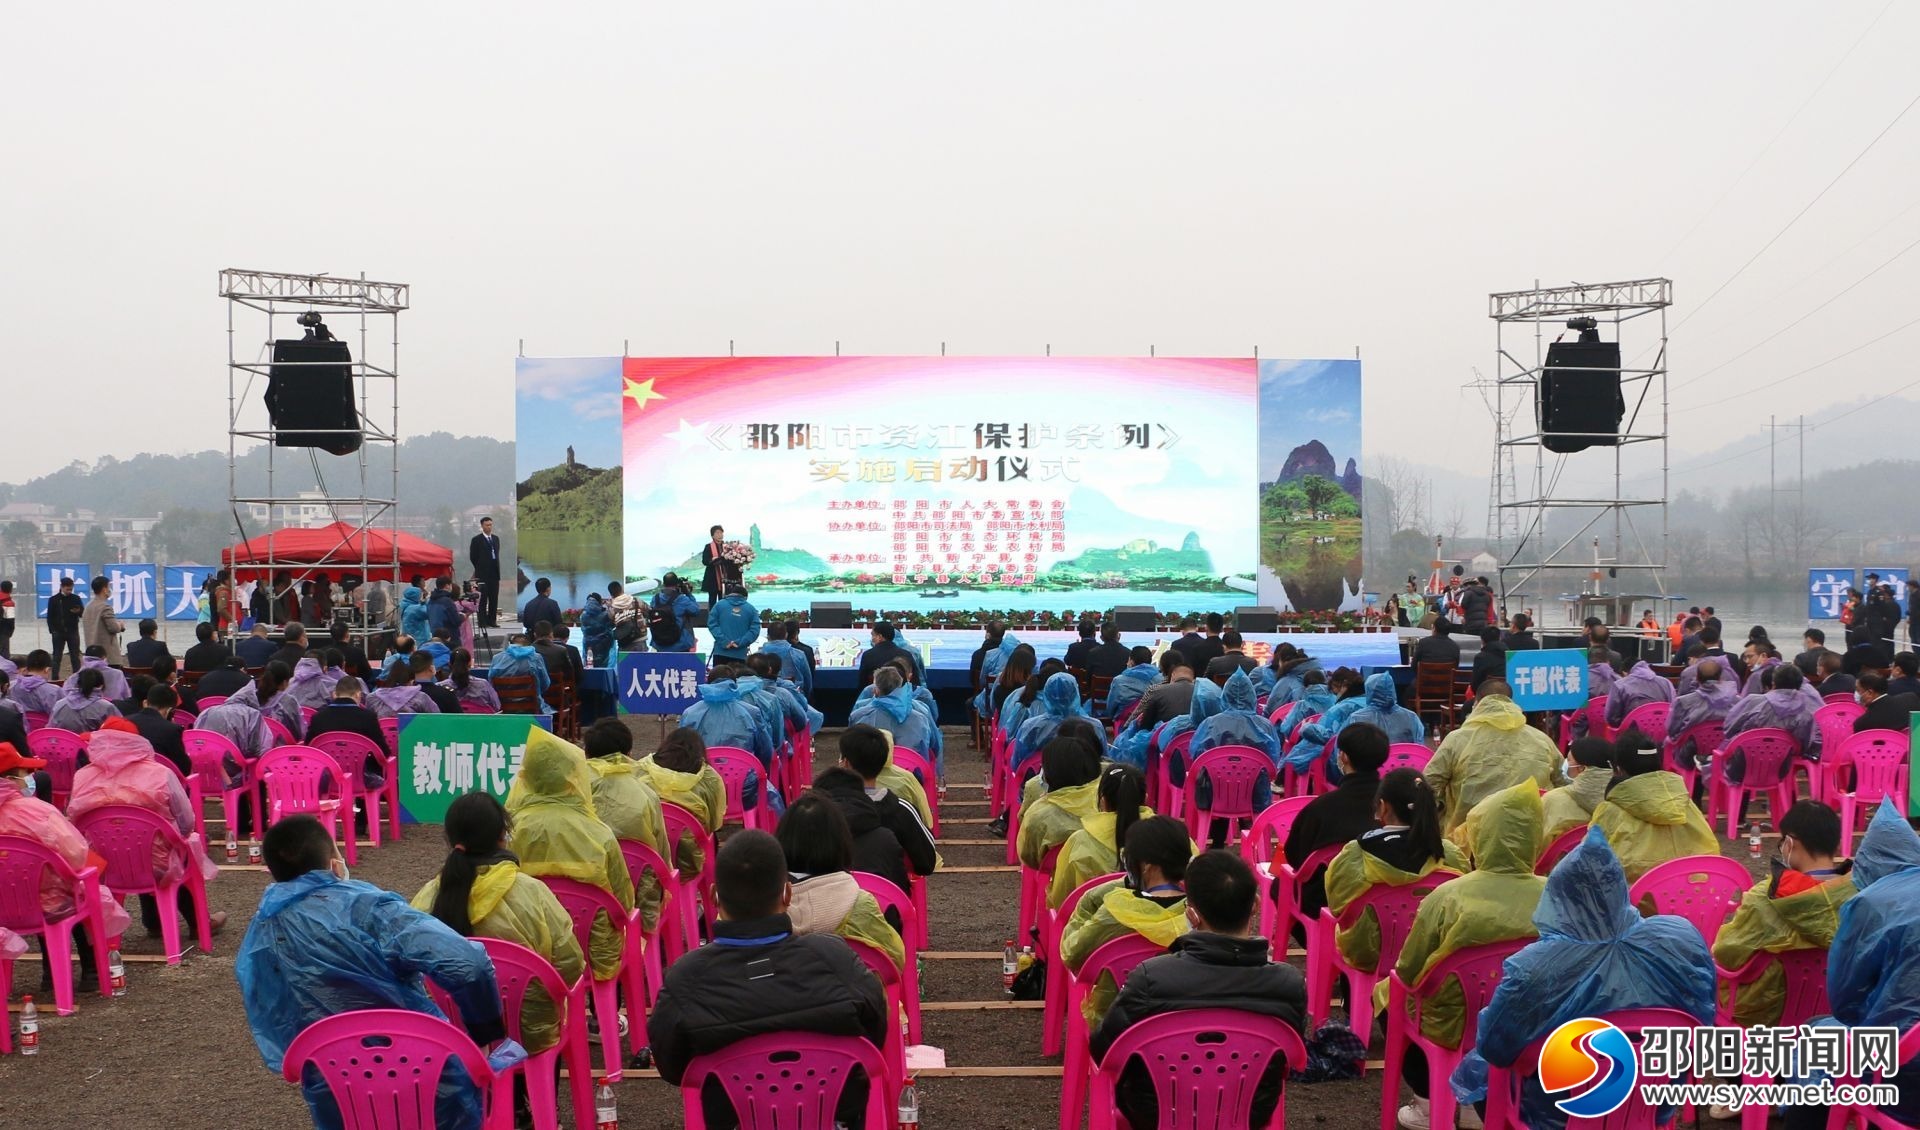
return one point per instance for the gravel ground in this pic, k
(97, 1066)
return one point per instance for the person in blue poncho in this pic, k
(1290, 666)
(413, 613)
(519, 658)
(1380, 705)
(1238, 722)
(1873, 965)
(791, 662)
(596, 627)
(1059, 700)
(1208, 700)
(321, 945)
(1131, 683)
(673, 605)
(763, 698)
(1595, 955)
(892, 708)
(797, 712)
(735, 624)
(723, 717)
(1316, 698)
(999, 646)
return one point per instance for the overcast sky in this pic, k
(1098, 177)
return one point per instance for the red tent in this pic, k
(338, 549)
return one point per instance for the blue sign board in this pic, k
(1548, 680)
(660, 682)
(182, 596)
(46, 582)
(1897, 578)
(1827, 592)
(134, 590)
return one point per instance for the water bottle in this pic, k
(29, 1029)
(233, 849)
(1025, 960)
(909, 1106)
(1009, 965)
(606, 1114)
(116, 973)
(920, 974)
(253, 853)
(1753, 840)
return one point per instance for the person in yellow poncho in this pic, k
(680, 775)
(1151, 902)
(1647, 815)
(1798, 909)
(1094, 849)
(826, 899)
(904, 785)
(558, 833)
(482, 893)
(1493, 749)
(1572, 804)
(1405, 848)
(1492, 903)
(1082, 729)
(626, 802)
(1072, 769)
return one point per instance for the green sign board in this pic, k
(446, 756)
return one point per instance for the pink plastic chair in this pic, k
(583, 902)
(1262, 841)
(475, 706)
(351, 1050)
(1117, 959)
(351, 752)
(893, 1051)
(1502, 1082)
(1837, 697)
(1013, 787)
(893, 898)
(1393, 909)
(1167, 800)
(1233, 773)
(1314, 781)
(124, 836)
(22, 862)
(391, 728)
(1841, 1116)
(1706, 737)
(300, 779)
(996, 769)
(1205, 1064)
(1287, 884)
(648, 952)
(1769, 770)
(1650, 718)
(1407, 755)
(787, 1081)
(1703, 889)
(306, 715)
(518, 969)
(1053, 928)
(1562, 844)
(210, 754)
(734, 765)
(1877, 761)
(281, 735)
(1596, 713)
(682, 824)
(207, 702)
(1299, 732)
(1804, 973)
(912, 761)
(61, 750)
(33, 720)
(1477, 969)
(1034, 884)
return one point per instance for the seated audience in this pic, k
(679, 773)
(84, 703)
(1590, 769)
(1094, 849)
(467, 690)
(625, 801)
(1071, 769)
(865, 755)
(1494, 749)
(557, 832)
(825, 897)
(208, 653)
(1151, 901)
(1797, 908)
(1639, 686)
(1340, 815)
(154, 722)
(1647, 814)
(1713, 696)
(1378, 705)
(1405, 848)
(1885, 711)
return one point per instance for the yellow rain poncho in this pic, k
(1087, 854)
(1492, 903)
(1353, 872)
(904, 785)
(513, 907)
(627, 803)
(1572, 804)
(1650, 819)
(704, 794)
(1493, 749)
(835, 904)
(556, 832)
(1110, 912)
(1050, 820)
(1764, 924)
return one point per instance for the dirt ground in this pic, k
(175, 1053)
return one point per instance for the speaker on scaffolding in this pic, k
(310, 392)
(830, 614)
(1580, 392)
(1135, 617)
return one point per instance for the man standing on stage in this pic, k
(484, 554)
(720, 571)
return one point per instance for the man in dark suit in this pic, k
(541, 607)
(207, 655)
(1209, 647)
(1884, 711)
(719, 571)
(1111, 657)
(558, 656)
(882, 652)
(793, 637)
(163, 735)
(1166, 701)
(353, 656)
(295, 648)
(1078, 650)
(142, 652)
(345, 713)
(63, 625)
(1234, 658)
(423, 677)
(483, 553)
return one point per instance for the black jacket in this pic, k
(225, 681)
(1109, 659)
(560, 657)
(290, 654)
(1203, 970)
(144, 652)
(1334, 817)
(1187, 642)
(1435, 649)
(1203, 651)
(483, 553)
(1888, 712)
(718, 570)
(205, 656)
(341, 717)
(1476, 608)
(163, 736)
(1521, 641)
(879, 656)
(255, 651)
(1836, 683)
(446, 700)
(1222, 667)
(1900, 684)
(538, 609)
(1163, 702)
(1077, 653)
(757, 977)
(1491, 663)
(888, 837)
(63, 613)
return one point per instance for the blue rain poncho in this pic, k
(924, 698)
(1315, 701)
(898, 714)
(1380, 705)
(413, 614)
(1873, 966)
(734, 624)
(1264, 679)
(1289, 687)
(991, 664)
(799, 711)
(1208, 701)
(1128, 686)
(722, 717)
(1058, 701)
(521, 659)
(596, 625)
(772, 712)
(1238, 723)
(320, 946)
(683, 609)
(793, 665)
(1595, 955)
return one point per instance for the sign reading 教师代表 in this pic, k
(446, 756)
(1554, 679)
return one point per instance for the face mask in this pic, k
(28, 786)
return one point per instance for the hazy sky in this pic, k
(1101, 177)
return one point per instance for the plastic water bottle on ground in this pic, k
(117, 973)
(909, 1106)
(606, 1113)
(1009, 965)
(233, 849)
(1753, 840)
(29, 1029)
(253, 852)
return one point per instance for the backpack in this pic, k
(663, 627)
(626, 630)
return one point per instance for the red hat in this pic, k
(114, 723)
(10, 759)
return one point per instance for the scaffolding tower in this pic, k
(1570, 512)
(360, 489)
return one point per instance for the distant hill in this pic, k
(570, 497)
(1143, 554)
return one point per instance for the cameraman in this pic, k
(672, 607)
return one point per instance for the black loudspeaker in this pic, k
(310, 386)
(831, 614)
(1135, 618)
(1256, 618)
(1580, 392)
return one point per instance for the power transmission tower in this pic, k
(1503, 522)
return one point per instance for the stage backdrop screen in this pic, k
(566, 476)
(930, 483)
